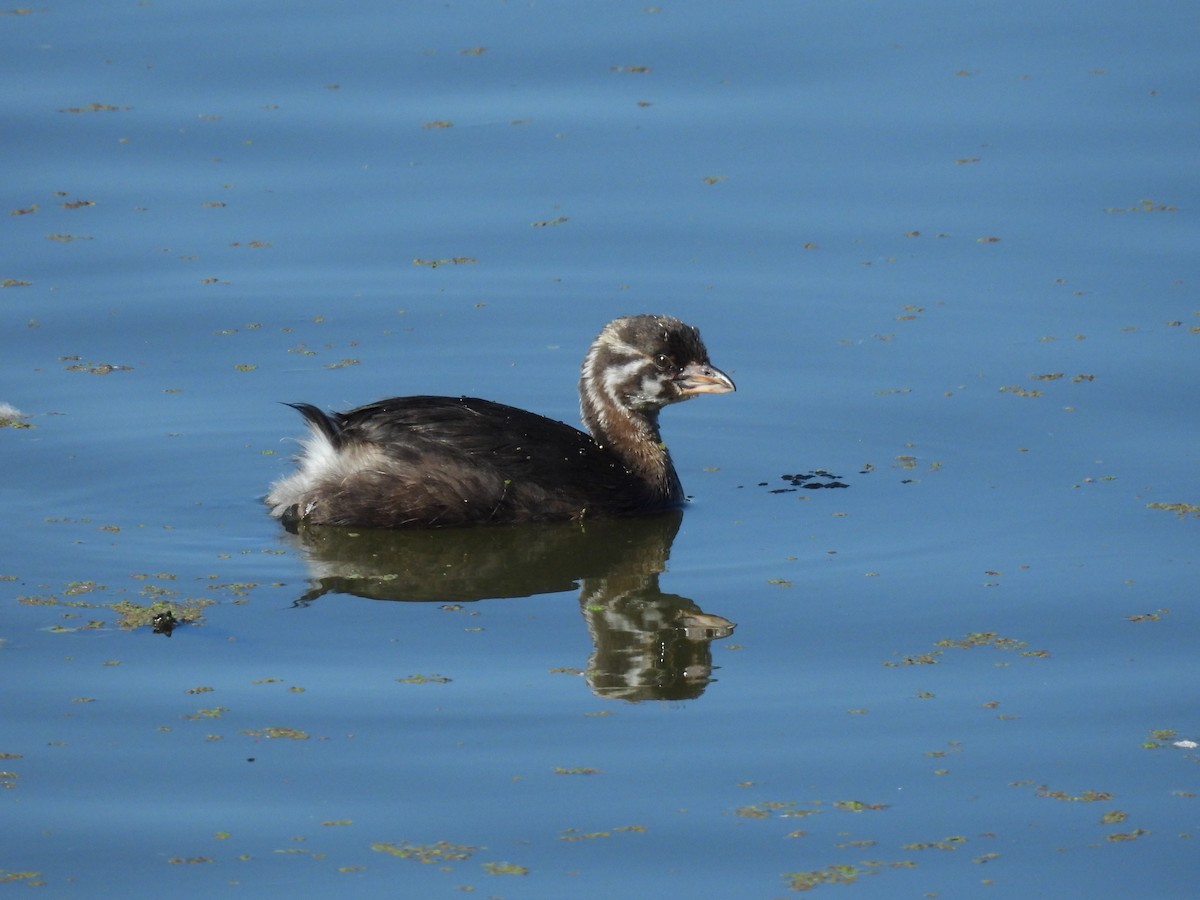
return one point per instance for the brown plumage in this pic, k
(429, 462)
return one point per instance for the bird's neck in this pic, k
(631, 435)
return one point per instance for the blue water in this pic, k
(946, 251)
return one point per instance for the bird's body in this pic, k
(431, 462)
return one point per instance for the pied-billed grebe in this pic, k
(430, 462)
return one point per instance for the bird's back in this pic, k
(445, 461)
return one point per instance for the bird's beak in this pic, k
(698, 378)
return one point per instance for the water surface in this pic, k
(947, 253)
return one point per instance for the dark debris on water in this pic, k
(814, 480)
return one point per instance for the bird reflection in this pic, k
(648, 645)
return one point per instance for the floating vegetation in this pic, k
(1019, 391)
(982, 639)
(452, 261)
(1086, 797)
(214, 712)
(1144, 206)
(1183, 510)
(954, 747)
(921, 659)
(784, 809)
(571, 834)
(298, 851)
(840, 874)
(96, 107)
(950, 843)
(504, 868)
(92, 368)
(836, 874)
(972, 640)
(1149, 617)
(1128, 835)
(1063, 796)
(291, 734)
(161, 576)
(75, 588)
(858, 805)
(93, 625)
(11, 417)
(1164, 737)
(38, 601)
(442, 851)
(424, 679)
(162, 615)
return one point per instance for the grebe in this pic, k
(432, 462)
